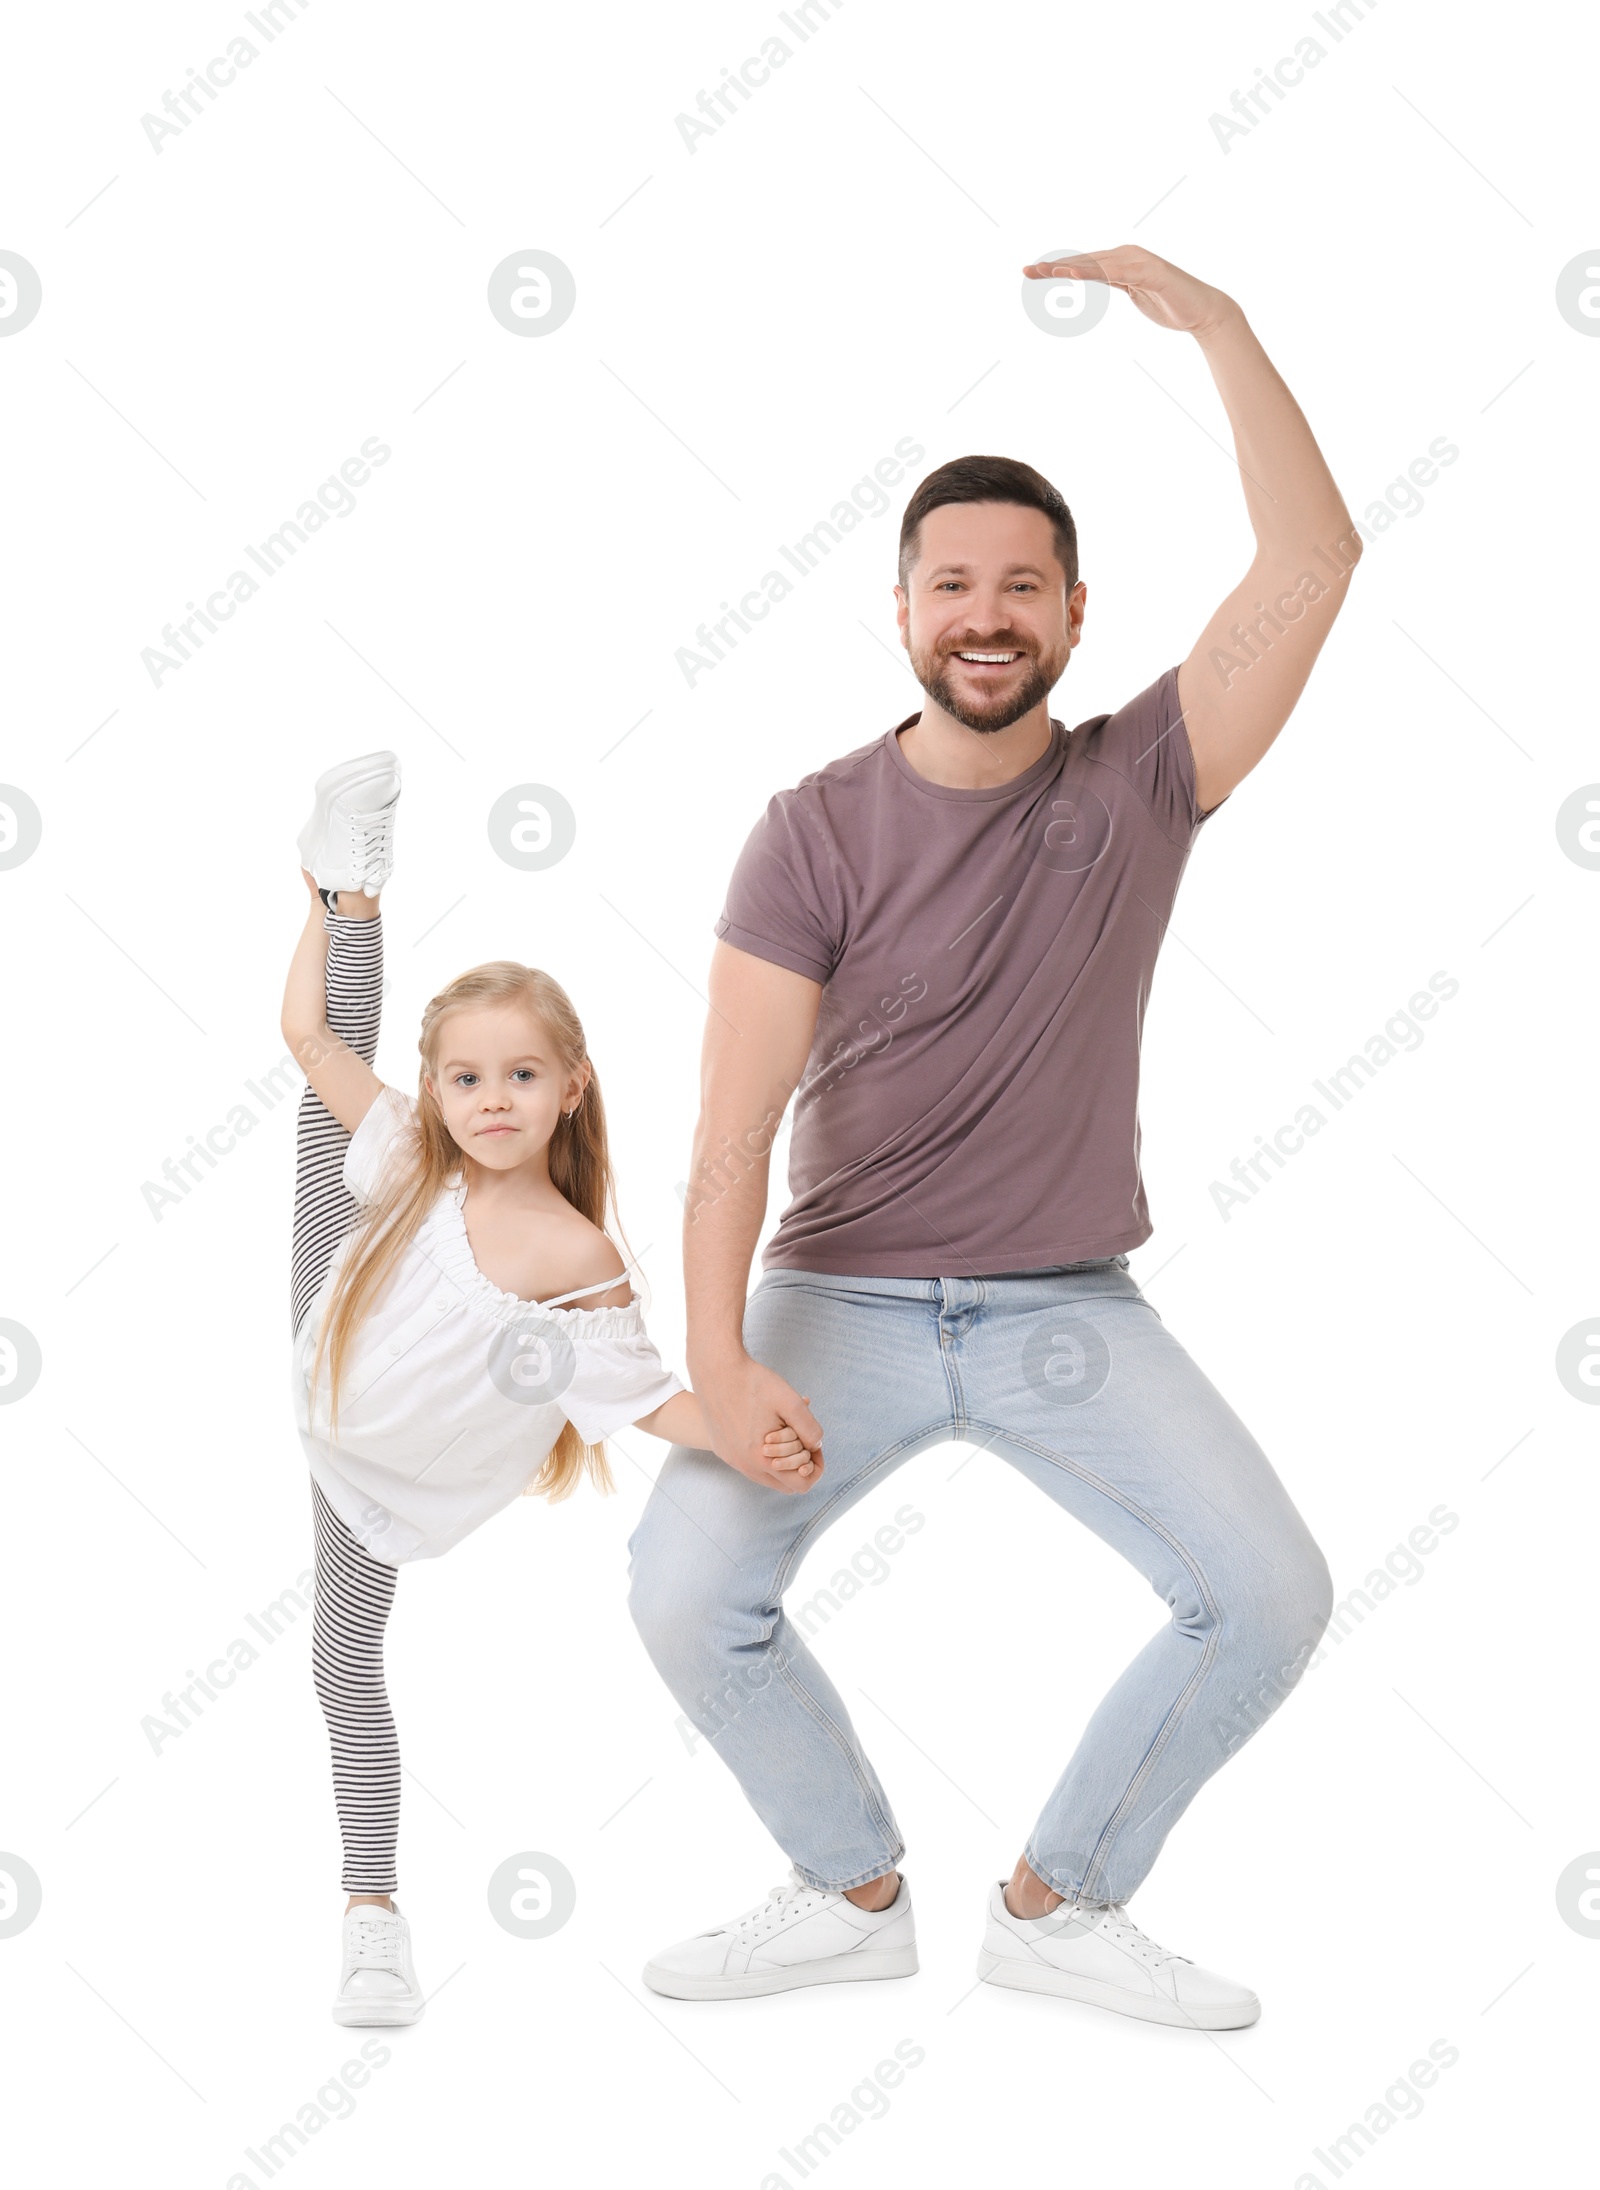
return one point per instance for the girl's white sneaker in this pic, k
(377, 1977)
(348, 843)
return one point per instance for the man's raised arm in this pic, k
(757, 1039)
(1249, 666)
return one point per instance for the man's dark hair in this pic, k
(990, 479)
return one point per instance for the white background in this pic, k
(305, 266)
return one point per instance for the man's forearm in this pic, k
(1293, 503)
(723, 1213)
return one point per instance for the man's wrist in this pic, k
(1224, 325)
(714, 1358)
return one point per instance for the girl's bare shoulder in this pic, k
(583, 1254)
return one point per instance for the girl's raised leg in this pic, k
(323, 1210)
(354, 1591)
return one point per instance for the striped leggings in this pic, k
(354, 1590)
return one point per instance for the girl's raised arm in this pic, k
(346, 1083)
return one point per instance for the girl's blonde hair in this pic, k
(580, 1168)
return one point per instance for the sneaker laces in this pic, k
(373, 1940)
(371, 841)
(1126, 1933)
(780, 1903)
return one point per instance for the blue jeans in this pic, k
(1070, 1375)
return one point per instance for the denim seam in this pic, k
(1099, 1855)
(952, 1378)
(813, 1709)
(947, 1354)
(819, 1520)
(803, 1696)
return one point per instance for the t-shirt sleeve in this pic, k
(616, 1377)
(1147, 743)
(376, 1143)
(784, 901)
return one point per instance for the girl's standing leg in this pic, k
(354, 1591)
(353, 1596)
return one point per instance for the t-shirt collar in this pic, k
(1049, 761)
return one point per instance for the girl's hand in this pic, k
(783, 1450)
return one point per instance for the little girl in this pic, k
(439, 1371)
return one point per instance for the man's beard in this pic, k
(1043, 673)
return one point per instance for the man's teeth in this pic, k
(968, 656)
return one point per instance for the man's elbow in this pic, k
(1351, 543)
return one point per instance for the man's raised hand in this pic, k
(1163, 292)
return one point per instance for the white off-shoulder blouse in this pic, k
(454, 1391)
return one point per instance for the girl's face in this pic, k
(500, 1085)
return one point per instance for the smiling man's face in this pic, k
(987, 617)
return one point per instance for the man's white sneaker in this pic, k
(377, 1978)
(348, 843)
(800, 1935)
(1096, 1953)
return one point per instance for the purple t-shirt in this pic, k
(970, 1104)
